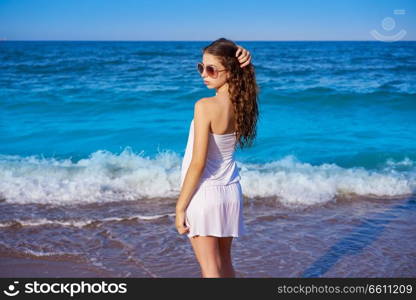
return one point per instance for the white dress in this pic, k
(216, 207)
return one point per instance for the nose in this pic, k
(204, 74)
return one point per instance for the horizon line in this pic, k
(372, 40)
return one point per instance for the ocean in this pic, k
(92, 136)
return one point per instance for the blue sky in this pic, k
(203, 20)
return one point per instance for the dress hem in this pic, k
(215, 235)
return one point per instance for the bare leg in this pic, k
(207, 252)
(227, 269)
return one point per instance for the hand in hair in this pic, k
(243, 56)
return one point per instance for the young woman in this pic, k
(210, 205)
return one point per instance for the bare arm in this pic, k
(243, 56)
(197, 165)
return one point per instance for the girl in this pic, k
(210, 205)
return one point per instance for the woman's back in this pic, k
(220, 167)
(216, 207)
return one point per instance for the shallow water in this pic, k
(346, 238)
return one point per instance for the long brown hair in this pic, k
(242, 88)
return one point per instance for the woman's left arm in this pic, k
(197, 165)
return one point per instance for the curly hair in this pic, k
(242, 88)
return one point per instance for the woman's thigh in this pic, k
(207, 249)
(224, 244)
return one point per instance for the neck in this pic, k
(222, 91)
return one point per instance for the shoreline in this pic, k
(343, 239)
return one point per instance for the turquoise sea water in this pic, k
(92, 136)
(107, 121)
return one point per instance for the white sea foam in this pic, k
(79, 223)
(105, 176)
(294, 182)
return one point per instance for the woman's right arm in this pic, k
(243, 56)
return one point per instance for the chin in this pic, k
(211, 86)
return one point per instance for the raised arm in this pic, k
(243, 56)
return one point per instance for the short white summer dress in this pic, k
(216, 207)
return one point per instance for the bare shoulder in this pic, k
(203, 101)
(204, 108)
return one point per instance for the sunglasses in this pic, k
(212, 71)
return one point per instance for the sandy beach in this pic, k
(347, 238)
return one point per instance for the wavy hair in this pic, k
(242, 88)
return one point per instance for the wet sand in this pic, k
(347, 238)
(37, 268)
